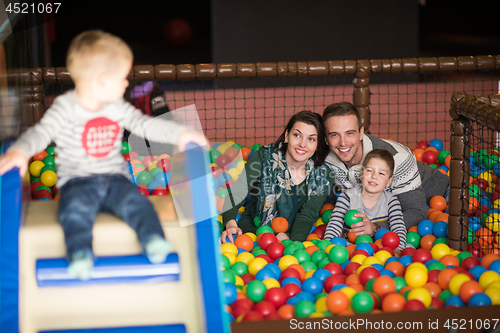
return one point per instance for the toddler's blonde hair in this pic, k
(94, 52)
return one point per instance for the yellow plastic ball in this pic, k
(256, 265)
(329, 247)
(417, 264)
(271, 283)
(360, 268)
(416, 277)
(152, 165)
(359, 258)
(245, 257)
(286, 261)
(421, 294)
(48, 178)
(229, 247)
(307, 244)
(233, 173)
(487, 175)
(494, 284)
(230, 256)
(493, 222)
(496, 204)
(456, 282)
(440, 250)
(238, 281)
(316, 315)
(455, 252)
(321, 304)
(309, 274)
(349, 292)
(318, 222)
(494, 294)
(382, 256)
(487, 278)
(371, 260)
(252, 235)
(36, 167)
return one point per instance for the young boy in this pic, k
(377, 207)
(87, 126)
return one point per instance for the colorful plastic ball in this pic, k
(413, 305)
(495, 266)
(276, 296)
(436, 143)
(416, 277)
(430, 157)
(363, 239)
(286, 261)
(367, 274)
(339, 241)
(338, 254)
(264, 229)
(479, 299)
(440, 229)
(442, 156)
(413, 239)
(362, 302)
(48, 178)
(487, 278)
(425, 227)
(391, 240)
(255, 290)
(421, 294)
(350, 219)
(304, 309)
(313, 286)
(35, 168)
(456, 282)
(455, 301)
(279, 224)
(230, 292)
(337, 302)
(440, 250)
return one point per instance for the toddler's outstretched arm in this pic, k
(14, 158)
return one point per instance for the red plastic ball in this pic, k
(331, 282)
(164, 164)
(265, 257)
(247, 277)
(276, 296)
(266, 240)
(42, 194)
(291, 290)
(334, 268)
(240, 311)
(409, 251)
(34, 186)
(253, 316)
(367, 274)
(146, 160)
(430, 157)
(390, 239)
(290, 272)
(222, 161)
(470, 262)
(422, 144)
(244, 302)
(437, 303)
(320, 231)
(265, 308)
(351, 268)
(476, 250)
(414, 305)
(275, 250)
(126, 157)
(177, 33)
(432, 275)
(144, 191)
(422, 255)
(159, 191)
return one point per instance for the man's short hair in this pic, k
(383, 155)
(93, 52)
(341, 109)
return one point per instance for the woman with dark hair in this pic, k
(286, 179)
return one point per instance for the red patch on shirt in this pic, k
(99, 136)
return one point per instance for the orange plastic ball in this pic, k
(488, 259)
(351, 237)
(431, 148)
(473, 204)
(312, 236)
(384, 285)
(378, 242)
(286, 311)
(445, 276)
(438, 202)
(414, 229)
(468, 289)
(405, 289)
(449, 260)
(442, 217)
(484, 237)
(432, 216)
(326, 207)
(430, 210)
(312, 249)
(393, 302)
(447, 161)
(244, 242)
(419, 154)
(396, 267)
(427, 241)
(245, 152)
(337, 302)
(279, 224)
(433, 288)
(350, 248)
(352, 279)
(40, 156)
(299, 269)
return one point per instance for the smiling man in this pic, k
(414, 183)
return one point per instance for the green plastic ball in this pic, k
(302, 255)
(349, 218)
(229, 276)
(326, 216)
(434, 166)
(225, 263)
(256, 146)
(318, 255)
(323, 244)
(144, 177)
(440, 240)
(256, 248)
(42, 187)
(49, 161)
(436, 265)
(318, 296)
(413, 238)
(369, 284)
(442, 156)
(287, 242)
(256, 221)
(444, 295)
(304, 309)
(213, 155)
(400, 283)
(299, 244)
(48, 167)
(239, 268)
(154, 172)
(222, 193)
(474, 191)
(363, 239)
(264, 229)
(260, 251)
(51, 150)
(256, 290)
(290, 249)
(338, 254)
(362, 302)
(125, 147)
(490, 161)
(314, 241)
(308, 266)
(470, 238)
(462, 255)
(323, 262)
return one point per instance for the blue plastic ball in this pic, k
(338, 241)
(275, 268)
(391, 259)
(365, 247)
(476, 271)
(231, 292)
(338, 287)
(291, 279)
(265, 274)
(436, 143)
(313, 286)
(479, 299)
(494, 266)
(454, 300)
(430, 262)
(405, 260)
(322, 274)
(223, 178)
(425, 228)
(440, 229)
(293, 301)
(496, 169)
(388, 273)
(380, 233)
(378, 267)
